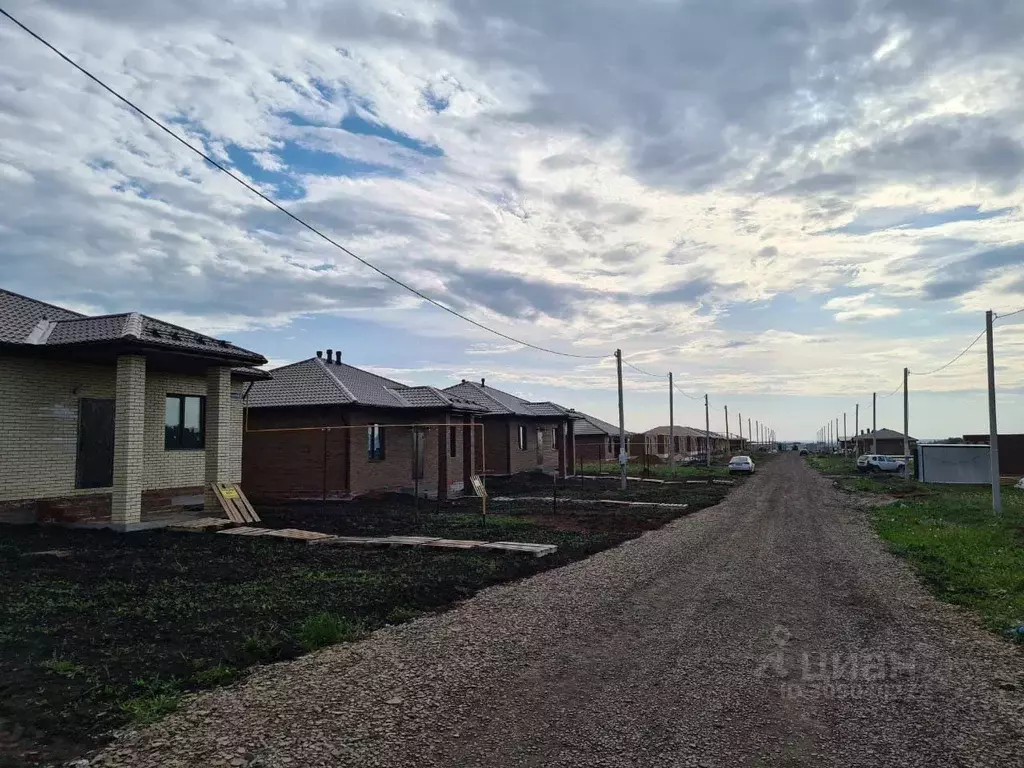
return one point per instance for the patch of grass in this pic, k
(63, 667)
(222, 674)
(262, 647)
(963, 552)
(401, 613)
(323, 629)
(830, 464)
(152, 700)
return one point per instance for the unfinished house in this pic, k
(114, 419)
(520, 436)
(684, 441)
(597, 440)
(322, 429)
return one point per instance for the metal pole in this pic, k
(874, 422)
(993, 431)
(671, 426)
(750, 435)
(623, 456)
(906, 425)
(707, 431)
(846, 438)
(739, 419)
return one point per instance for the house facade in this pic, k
(114, 419)
(518, 435)
(683, 441)
(889, 442)
(597, 440)
(323, 429)
(1011, 451)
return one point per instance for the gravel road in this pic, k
(770, 630)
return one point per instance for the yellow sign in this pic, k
(478, 486)
(229, 493)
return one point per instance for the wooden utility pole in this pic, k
(671, 425)
(750, 435)
(906, 425)
(623, 454)
(856, 429)
(846, 437)
(874, 422)
(728, 445)
(993, 431)
(707, 431)
(739, 418)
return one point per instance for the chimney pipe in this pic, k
(482, 384)
(330, 356)
(319, 353)
(337, 356)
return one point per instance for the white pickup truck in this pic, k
(873, 462)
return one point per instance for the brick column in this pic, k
(442, 457)
(129, 440)
(570, 446)
(220, 440)
(468, 454)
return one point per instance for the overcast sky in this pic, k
(784, 202)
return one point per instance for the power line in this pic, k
(641, 370)
(1008, 314)
(898, 388)
(280, 207)
(684, 393)
(964, 352)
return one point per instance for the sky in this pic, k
(783, 202)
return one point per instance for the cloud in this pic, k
(857, 308)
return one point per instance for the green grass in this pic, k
(833, 465)
(63, 667)
(962, 551)
(323, 629)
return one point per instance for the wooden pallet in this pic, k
(454, 543)
(234, 503)
(408, 541)
(537, 550)
(278, 533)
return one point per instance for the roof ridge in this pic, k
(401, 400)
(335, 379)
(107, 316)
(492, 398)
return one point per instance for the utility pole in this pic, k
(906, 425)
(856, 430)
(837, 432)
(846, 438)
(874, 422)
(728, 445)
(671, 426)
(993, 431)
(750, 435)
(623, 454)
(757, 432)
(707, 431)
(739, 419)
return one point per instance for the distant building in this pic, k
(1011, 452)
(887, 442)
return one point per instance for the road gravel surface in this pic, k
(771, 630)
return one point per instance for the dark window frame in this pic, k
(453, 445)
(181, 398)
(524, 441)
(378, 452)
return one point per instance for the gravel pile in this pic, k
(771, 629)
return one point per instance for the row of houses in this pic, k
(125, 419)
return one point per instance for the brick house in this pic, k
(520, 436)
(687, 441)
(597, 440)
(889, 442)
(324, 429)
(113, 419)
(1011, 451)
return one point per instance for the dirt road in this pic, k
(771, 630)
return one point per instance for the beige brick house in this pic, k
(323, 429)
(113, 419)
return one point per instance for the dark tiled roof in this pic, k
(591, 425)
(317, 382)
(882, 434)
(35, 323)
(20, 314)
(682, 431)
(500, 403)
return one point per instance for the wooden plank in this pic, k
(245, 503)
(537, 550)
(230, 496)
(454, 543)
(408, 541)
(243, 531)
(295, 533)
(367, 541)
(201, 524)
(227, 504)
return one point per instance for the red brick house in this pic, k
(114, 420)
(520, 436)
(324, 429)
(597, 440)
(686, 441)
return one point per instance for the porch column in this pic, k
(129, 440)
(443, 451)
(569, 445)
(221, 443)
(468, 453)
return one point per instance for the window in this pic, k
(675, 440)
(522, 438)
(661, 444)
(184, 423)
(453, 447)
(375, 442)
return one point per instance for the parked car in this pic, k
(804, 452)
(741, 464)
(695, 460)
(873, 462)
